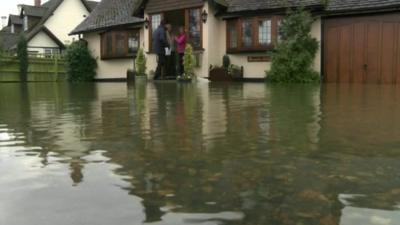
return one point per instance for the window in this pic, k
(155, 21)
(108, 44)
(247, 34)
(252, 34)
(194, 28)
(119, 44)
(232, 34)
(12, 29)
(133, 42)
(26, 23)
(48, 53)
(264, 32)
(280, 33)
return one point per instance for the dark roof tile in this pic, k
(253, 5)
(109, 13)
(349, 5)
(14, 19)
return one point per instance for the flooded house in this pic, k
(358, 39)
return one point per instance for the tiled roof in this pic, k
(36, 11)
(236, 6)
(14, 19)
(109, 13)
(349, 5)
(92, 4)
(7, 39)
(253, 5)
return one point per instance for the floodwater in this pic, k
(205, 154)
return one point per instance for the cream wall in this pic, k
(316, 32)
(67, 16)
(110, 68)
(41, 40)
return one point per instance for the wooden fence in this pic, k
(42, 68)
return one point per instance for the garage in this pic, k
(362, 49)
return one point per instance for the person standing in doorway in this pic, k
(170, 67)
(160, 44)
(180, 48)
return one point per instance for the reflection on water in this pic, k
(165, 153)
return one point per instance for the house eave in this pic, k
(103, 29)
(316, 9)
(350, 12)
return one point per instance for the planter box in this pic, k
(219, 74)
(222, 74)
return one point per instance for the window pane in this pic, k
(280, 34)
(264, 32)
(232, 36)
(195, 28)
(155, 21)
(108, 51)
(120, 44)
(247, 34)
(133, 42)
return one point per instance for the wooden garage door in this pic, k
(362, 49)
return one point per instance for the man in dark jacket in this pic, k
(159, 41)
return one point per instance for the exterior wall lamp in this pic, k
(146, 23)
(204, 16)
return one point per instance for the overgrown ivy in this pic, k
(292, 61)
(22, 53)
(81, 65)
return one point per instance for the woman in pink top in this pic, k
(180, 48)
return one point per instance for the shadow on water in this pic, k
(206, 153)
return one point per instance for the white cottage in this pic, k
(47, 25)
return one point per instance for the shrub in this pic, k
(226, 61)
(22, 53)
(294, 55)
(81, 66)
(188, 63)
(140, 63)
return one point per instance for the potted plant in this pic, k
(188, 65)
(140, 65)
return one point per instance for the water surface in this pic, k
(172, 154)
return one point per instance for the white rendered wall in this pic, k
(68, 15)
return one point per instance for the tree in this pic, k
(22, 53)
(293, 58)
(140, 62)
(81, 66)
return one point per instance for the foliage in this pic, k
(226, 61)
(22, 52)
(188, 63)
(294, 56)
(140, 62)
(81, 66)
